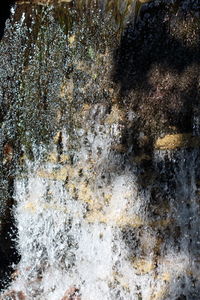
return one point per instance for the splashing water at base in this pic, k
(65, 242)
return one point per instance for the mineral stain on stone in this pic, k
(176, 141)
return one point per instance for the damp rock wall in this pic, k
(100, 149)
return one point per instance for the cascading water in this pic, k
(97, 218)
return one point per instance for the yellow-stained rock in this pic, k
(64, 158)
(117, 115)
(102, 217)
(30, 206)
(107, 197)
(123, 220)
(166, 276)
(160, 294)
(34, 206)
(71, 39)
(56, 137)
(133, 221)
(59, 174)
(179, 140)
(85, 194)
(143, 266)
(53, 158)
(96, 216)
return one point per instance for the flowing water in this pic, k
(87, 214)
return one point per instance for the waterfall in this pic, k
(102, 161)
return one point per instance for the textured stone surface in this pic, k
(175, 141)
(99, 126)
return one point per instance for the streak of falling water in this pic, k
(83, 219)
(60, 248)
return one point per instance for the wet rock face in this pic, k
(114, 125)
(157, 67)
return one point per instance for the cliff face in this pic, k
(102, 107)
